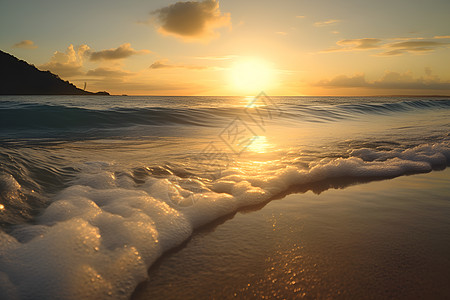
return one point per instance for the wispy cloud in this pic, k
(326, 23)
(442, 37)
(193, 20)
(367, 43)
(388, 48)
(412, 46)
(390, 80)
(355, 44)
(163, 64)
(25, 44)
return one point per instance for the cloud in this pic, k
(367, 43)
(25, 44)
(300, 17)
(123, 51)
(412, 46)
(192, 20)
(326, 23)
(162, 64)
(344, 81)
(356, 44)
(416, 44)
(395, 80)
(281, 33)
(68, 63)
(390, 80)
(388, 48)
(392, 53)
(442, 37)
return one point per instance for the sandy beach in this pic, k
(379, 240)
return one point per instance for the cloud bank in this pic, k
(192, 20)
(390, 80)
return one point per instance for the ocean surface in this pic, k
(93, 189)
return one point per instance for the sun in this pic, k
(251, 75)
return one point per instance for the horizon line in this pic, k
(392, 95)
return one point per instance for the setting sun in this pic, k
(251, 75)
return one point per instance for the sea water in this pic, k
(93, 189)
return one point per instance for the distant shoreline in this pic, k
(19, 78)
(91, 94)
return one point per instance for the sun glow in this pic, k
(251, 75)
(259, 144)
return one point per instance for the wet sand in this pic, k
(380, 240)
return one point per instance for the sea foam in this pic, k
(99, 236)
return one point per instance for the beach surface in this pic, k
(379, 240)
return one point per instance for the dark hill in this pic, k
(17, 77)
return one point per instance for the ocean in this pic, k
(94, 189)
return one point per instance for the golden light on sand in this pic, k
(251, 75)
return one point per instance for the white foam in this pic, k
(100, 235)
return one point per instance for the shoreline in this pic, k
(219, 256)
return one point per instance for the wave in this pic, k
(99, 235)
(22, 116)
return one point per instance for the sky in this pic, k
(231, 47)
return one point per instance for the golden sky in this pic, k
(231, 47)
